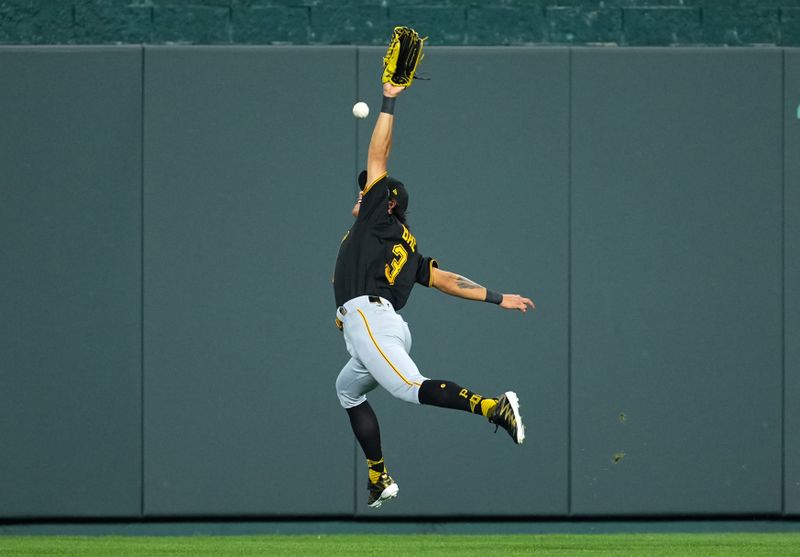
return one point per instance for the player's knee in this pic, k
(340, 383)
(349, 401)
(346, 398)
(406, 392)
(341, 393)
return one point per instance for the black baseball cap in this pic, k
(397, 191)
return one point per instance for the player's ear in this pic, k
(392, 204)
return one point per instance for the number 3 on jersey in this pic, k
(393, 269)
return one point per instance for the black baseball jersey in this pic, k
(379, 256)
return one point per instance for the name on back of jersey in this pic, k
(409, 239)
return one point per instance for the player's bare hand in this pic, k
(515, 301)
(392, 90)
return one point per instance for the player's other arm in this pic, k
(462, 287)
(380, 143)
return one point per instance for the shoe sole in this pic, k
(513, 400)
(389, 493)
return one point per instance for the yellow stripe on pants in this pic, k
(388, 361)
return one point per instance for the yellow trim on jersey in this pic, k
(381, 177)
(432, 264)
(375, 342)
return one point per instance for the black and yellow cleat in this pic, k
(382, 490)
(506, 415)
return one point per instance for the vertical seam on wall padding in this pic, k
(355, 123)
(355, 477)
(141, 245)
(355, 173)
(784, 116)
(569, 283)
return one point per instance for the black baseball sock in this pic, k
(446, 394)
(365, 427)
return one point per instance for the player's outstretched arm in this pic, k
(380, 143)
(462, 287)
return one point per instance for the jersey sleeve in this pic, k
(375, 195)
(424, 271)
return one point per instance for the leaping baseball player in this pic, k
(379, 262)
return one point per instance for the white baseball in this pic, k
(360, 110)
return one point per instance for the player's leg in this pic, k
(365, 427)
(378, 337)
(353, 383)
(380, 486)
(502, 411)
(446, 394)
(382, 340)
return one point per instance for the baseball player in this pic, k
(379, 262)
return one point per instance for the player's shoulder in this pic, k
(377, 183)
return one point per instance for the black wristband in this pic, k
(388, 104)
(493, 297)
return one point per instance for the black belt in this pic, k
(372, 300)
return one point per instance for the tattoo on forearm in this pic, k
(465, 284)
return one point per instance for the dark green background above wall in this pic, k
(368, 22)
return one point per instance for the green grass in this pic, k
(582, 545)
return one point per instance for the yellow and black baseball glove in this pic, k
(402, 57)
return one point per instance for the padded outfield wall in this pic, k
(169, 220)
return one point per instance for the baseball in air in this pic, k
(360, 110)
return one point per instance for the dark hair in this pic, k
(400, 214)
(397, 191)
